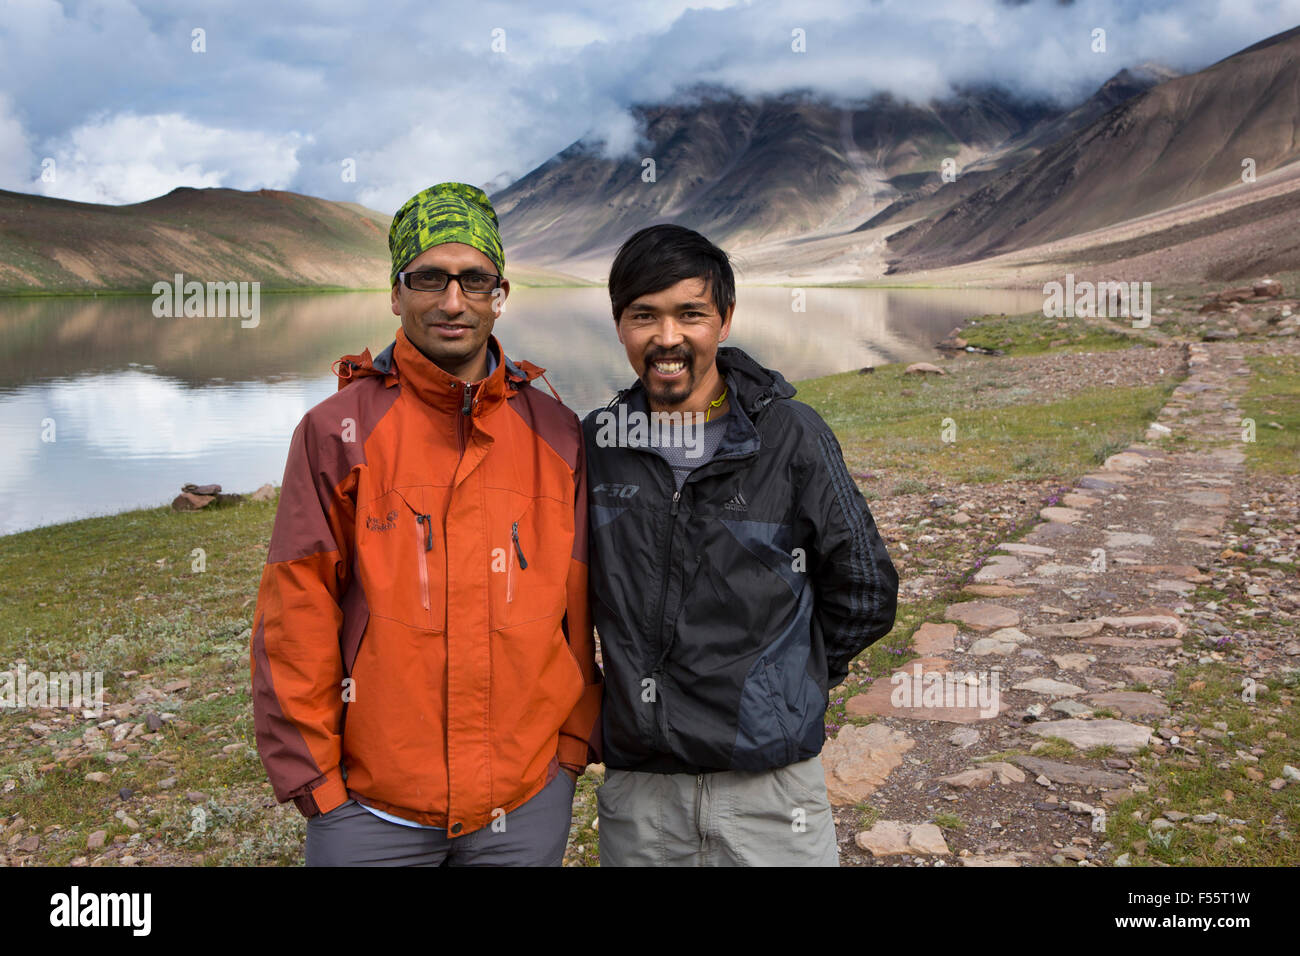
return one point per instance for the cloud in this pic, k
(286, 92)
(127, 158)
(16, 159)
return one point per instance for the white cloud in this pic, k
(127, 158)
(16, 157)
(415, 94)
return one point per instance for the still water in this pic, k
(137, 405)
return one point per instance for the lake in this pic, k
(138, 405)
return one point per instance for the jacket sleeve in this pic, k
(580, 742)
(296, 662)
(855, 585)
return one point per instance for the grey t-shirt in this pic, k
(684, 455)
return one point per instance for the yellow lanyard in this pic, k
(717, 403)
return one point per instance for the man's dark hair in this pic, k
(661, 256)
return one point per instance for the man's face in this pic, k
(671, 338)
(449, 327)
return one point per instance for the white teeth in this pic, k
(669, 368)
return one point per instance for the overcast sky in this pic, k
(416, 93)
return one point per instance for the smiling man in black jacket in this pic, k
(735, 572)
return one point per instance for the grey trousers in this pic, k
(778, 817)
(533, 834)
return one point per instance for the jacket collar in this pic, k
(403, 362)
(753, 388)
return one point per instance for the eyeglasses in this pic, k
(471, 283)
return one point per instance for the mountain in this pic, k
(1180, 141)
(282, 239)
(749, 171)
(933, 197)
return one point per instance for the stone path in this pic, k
(1076, 629)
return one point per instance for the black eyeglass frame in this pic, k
(405, 279)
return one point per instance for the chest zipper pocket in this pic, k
(423, 545)
(510, 568)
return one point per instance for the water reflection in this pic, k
(141, 405)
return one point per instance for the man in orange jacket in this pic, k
(424, 678)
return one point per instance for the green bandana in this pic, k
(447, 212)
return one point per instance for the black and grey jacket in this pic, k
(725, 611)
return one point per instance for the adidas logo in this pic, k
(737, 503)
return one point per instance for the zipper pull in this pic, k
(514, 534)
(469, 394)
(427, 521)
(676, 497)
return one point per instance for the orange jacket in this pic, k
(422, 640)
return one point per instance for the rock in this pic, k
(886, 838)
(188, 502)
(1131, 703)
(154, 722)
(1290, 773)
(999, 566)
(923, 368)
(1267, 289)
(29, 844)
(96, 840)
(858, 759)
(1124, 461)
(927, 840)
(1074, 629)
(265, 493)
(1097, 483)
(1060, 772)
(1072, 662)
(193, 796)
(1159, 824)
(1005, 773)
(1146, 643)
(987, 645)
(1045, 685)
(1085, 734)
(930, 639)
(964, 737)
(1073, 500)
(194, 489)
(1036, 550)
(166, 783)
(982, 615)
(961, 518)
(1072, 708)
(98, 776)
(1149, 675)
(998, 590)
(969, 779)
(1126, 539)
(1061, 515)
(172, 687)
